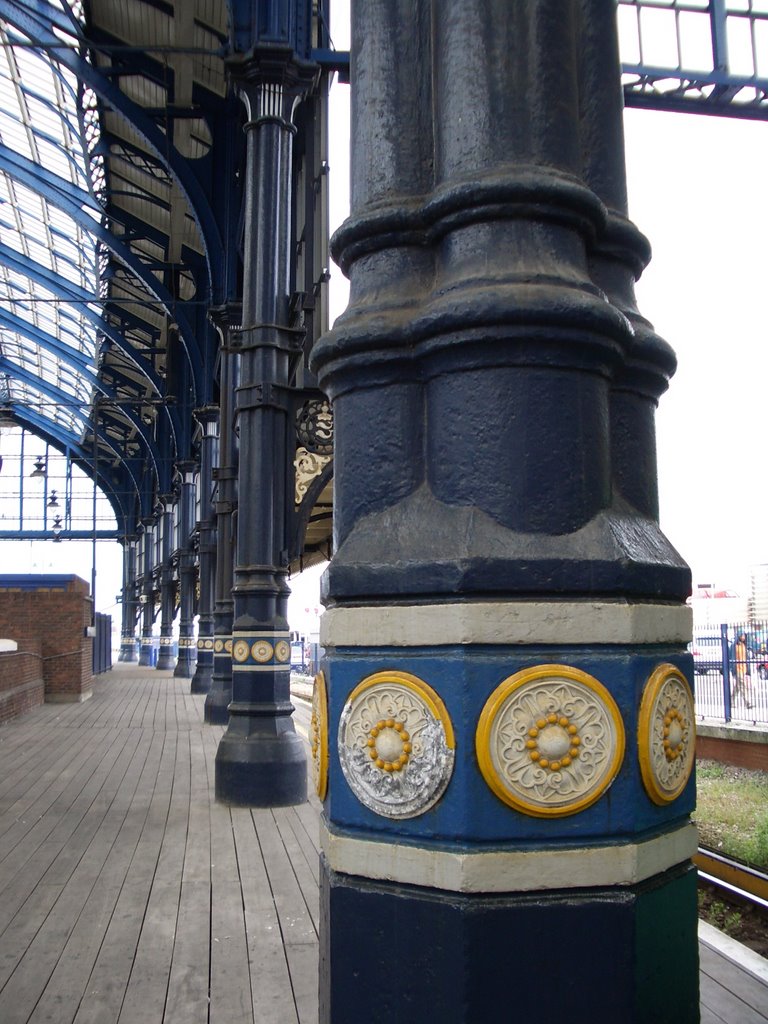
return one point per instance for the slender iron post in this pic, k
(208, 419)
(165, 656)
(128, 646)
(147, 592)
(185, 664)
(261, 759)
(225, 474)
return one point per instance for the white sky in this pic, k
(695, 191)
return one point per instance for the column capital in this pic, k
(186, 466)
(208, 418)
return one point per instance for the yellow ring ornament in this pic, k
(283, 651)
(550, 741)
(218, 646)
(666, 734)
(262, 651)
(240, 651)
(318, 735)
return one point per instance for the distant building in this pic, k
(713, 605)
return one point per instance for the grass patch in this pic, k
(732, 811)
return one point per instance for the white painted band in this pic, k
(251, 667)
(507, 871)
(506, 622)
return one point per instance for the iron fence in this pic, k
(730, 664)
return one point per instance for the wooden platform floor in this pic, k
(127, 894)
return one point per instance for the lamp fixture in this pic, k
(53, 501)
(56, 529)
(39, 469)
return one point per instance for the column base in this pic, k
(625, 954)
(216, 711)
(185, 664)
(220, 694)
(264, 768)
(128, 651)
(203, 676)
(165, 657)
(146, 655)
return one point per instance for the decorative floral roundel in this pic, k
(318, 735)
(666, 734)
(396, 744)
(550, 740)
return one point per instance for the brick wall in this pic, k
(49, 615)
(21, 681)
(740, 753)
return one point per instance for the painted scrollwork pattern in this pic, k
(318, 735)
(550, 740)
(396, 744)
(666, 734)
(308, 466)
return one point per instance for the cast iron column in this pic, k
(165, 658)
(201, 681)
(128, 644)
(261, 759)
(147, 594)
(503, 729)
(220, 694)
(185, 664)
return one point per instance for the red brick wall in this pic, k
(740, 754)
(21, 681)
(54, 618)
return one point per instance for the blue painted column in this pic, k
(503, 729)
(128, 643)
(165, 655)
(203, 677)
(146, 598)
(261, 760)
(225, 474)
(185, 663)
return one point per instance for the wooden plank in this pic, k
(296, 924)
(735, 978)
(107, 985)
(75, 870)
(34, 779)
(273, 1001)
(303, 837)
(35, 855)
(231, 996)
(69, 980)
(188, 985)
(726, 1004)
(197, 857)
(305, 876)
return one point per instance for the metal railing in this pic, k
(731, 674)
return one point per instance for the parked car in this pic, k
(707, 654)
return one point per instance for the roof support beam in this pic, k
(70, 292)
(74, 202)
(61, 397)
(35, 18)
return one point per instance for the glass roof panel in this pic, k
(39, 121)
